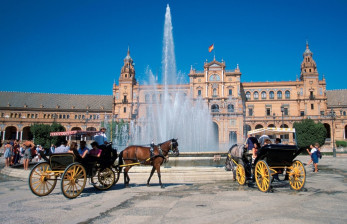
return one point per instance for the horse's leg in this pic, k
(126, 176)
(150, 176)
(157, 167)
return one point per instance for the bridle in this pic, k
(174, 147)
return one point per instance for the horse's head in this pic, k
(174, 147)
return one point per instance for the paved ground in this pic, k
(189, 197)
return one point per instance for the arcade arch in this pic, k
(27, 135)
(11, 133)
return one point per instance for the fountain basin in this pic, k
(197, 159)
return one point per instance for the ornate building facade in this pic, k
(235, 106)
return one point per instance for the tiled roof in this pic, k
(337, 97)
(54, 101)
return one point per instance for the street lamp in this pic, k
(282, 110)
(274, 117)
(333, 116)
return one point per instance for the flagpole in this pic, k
(214, 53)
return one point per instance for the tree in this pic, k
(308, 132)
(42, 132)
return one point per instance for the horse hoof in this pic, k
(127, 186)
(162, 186)
(148, 185)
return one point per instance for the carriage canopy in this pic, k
(273, 131)
(76, 132)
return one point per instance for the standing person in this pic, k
(8, 153)
(101, 137)
(52, 149)
(30, 145)
(83, 150)
(26, 156)
(16, 155)
(314, 156)
(38, 149)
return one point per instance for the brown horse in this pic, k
(135, 155)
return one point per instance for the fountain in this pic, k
(173, 112)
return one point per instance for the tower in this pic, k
(311, 94)
(124, 94)
(308, 65)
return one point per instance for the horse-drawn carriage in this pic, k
(73, 170)
(272, 160)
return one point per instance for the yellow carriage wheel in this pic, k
(240, 174)
(297, 176)
(42, 180)
(104, 179)
(73, 180)
(262, 176)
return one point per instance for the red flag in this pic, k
(210, 48)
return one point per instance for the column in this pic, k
(17, 135)
(3, 137)
(206, 90)
(21, 136)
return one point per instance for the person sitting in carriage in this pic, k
(83, 150)
(63, 148)
(95, 151)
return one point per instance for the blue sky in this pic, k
(78, 47)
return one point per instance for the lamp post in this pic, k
(282, 111)
(333, 116)
(274, 117)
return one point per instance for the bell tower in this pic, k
(128, 71)
(308, 65)
(125, 94)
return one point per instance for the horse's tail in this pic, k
(120, 160)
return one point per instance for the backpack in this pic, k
(319, 154)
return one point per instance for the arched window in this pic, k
(272, 95)
(287, 94)
(256, 95)
(214, 108)
(263, 95)
(199, 92)
(214, 77)
(230, 108)
(154, 98)
(248, 95)
(279, 94)
(147, 98)
(214, 92)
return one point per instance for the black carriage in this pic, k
(272, 160)
(73, 170)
